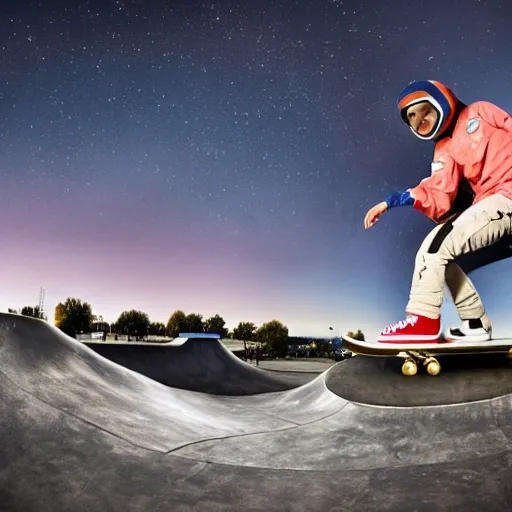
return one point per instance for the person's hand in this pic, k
(374, 213)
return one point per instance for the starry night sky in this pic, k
(219, 157)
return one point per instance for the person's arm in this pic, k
(434, 196)
(399, 199)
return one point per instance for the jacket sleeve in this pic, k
(435, 196)
(494, 115)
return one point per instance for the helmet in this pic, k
(435, 93)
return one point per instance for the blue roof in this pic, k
(198, 335)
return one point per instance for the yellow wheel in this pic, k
(409, 368)
(433, 368)
(509, 355)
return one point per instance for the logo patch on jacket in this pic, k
(473, 125)
(436, 166)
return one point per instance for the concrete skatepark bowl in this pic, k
(79, 432)
(196, 364)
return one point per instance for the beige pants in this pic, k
(481, 225)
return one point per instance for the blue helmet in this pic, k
(435, 93)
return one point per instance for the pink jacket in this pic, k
(479, 149)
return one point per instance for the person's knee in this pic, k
(425, 245)
(441, 241)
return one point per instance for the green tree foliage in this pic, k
(73, 317)
(32, 311)
(195, 322)
(179, 322)
(245, 331)
(215, 325)
(358, 335)
(274, 336)
(157, 329)
(133, 323)
(176, 323)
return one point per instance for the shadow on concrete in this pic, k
(197, 364)
(379, 381)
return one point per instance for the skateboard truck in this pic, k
(413, 357)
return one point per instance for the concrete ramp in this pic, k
(59, 371)
(81, 433)
(197, 364)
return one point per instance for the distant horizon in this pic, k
(323, 331)
(50, 313)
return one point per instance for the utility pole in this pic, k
(41, 302)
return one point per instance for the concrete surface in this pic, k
(462, 379)
(202, 364)
(81, 433)
(314, 366)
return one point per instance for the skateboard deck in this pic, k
(425, 353)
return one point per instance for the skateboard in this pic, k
(425, 353)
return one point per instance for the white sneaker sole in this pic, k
(481, 335)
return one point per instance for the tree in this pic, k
(179, 322)
(157, 329)
(73, 317)
(32, 311)
(215, 325)
(195, 322)
(133, 323)
(356, 335)
(245, 331)
(274, 336)
(176, 323)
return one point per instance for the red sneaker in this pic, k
(414, 329)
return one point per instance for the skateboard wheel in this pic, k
(433, 368)
(409, 368)
(509, 355)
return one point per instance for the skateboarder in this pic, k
(473, 146)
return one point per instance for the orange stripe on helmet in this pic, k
(452, 101)
(448, 94)
(411, 97)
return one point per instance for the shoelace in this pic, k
(410, 320)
